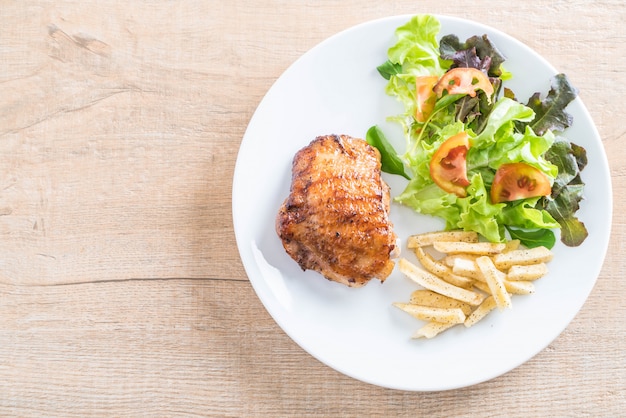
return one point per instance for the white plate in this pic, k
(335, 88)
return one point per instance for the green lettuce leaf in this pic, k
(431, 200)
(473, 213)
(421, 150)
(475, 52)
(524, 214)
(534, 238)
(567, 191)
(417, 48)
(550, 112)
(512, 147)
(499, 143)
(504, 112)
(478, 213)
(415, 53)
(402, 87)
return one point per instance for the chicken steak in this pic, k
(336, 218)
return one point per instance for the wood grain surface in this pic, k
(121, 289)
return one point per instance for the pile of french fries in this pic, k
(463, 279)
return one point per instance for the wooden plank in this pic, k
(121, 289)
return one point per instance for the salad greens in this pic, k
(501, 131)
(390, 162)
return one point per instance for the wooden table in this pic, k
(121, 289)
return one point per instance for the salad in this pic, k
(475, 155)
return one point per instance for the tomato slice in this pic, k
(464, 81)
(519, 181)
(425, 97)
(448, 167)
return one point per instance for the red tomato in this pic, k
(448, 167)
(464, 81)
(518, 181)
(425, 97)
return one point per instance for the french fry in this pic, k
(427, 313)
(457, 280)
(479, 248)
(467, 267)
(432, 329)
(471, 279)
(479, 313)
(519, 287)
(434, 283)
(426, 297)
(441, 270)
(536, 255)
(511, 245)
(449, 259)
(482, 286)
(479, 275)
(429, 262)
(514, 288)
(527, 272)
(494, 281)
(470, 268)
(427, 238)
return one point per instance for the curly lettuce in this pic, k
(501, 130)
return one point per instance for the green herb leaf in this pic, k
(390, 162)
(535, 238)
(388, 69)
(446, 100)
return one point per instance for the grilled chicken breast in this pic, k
(336, 217)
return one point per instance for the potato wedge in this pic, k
(480, 248)
(427, 313)
(495, 281)
(434, 283)
(426, 239)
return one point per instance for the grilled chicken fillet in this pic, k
(336, 218)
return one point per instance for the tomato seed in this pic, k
(527, 183)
